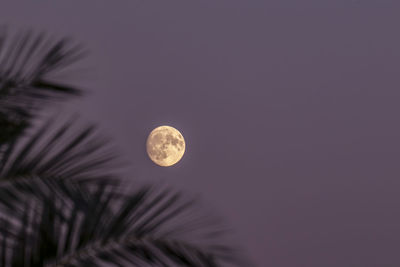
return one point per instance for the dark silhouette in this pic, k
(61, 203)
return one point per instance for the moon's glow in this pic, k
(165, 146)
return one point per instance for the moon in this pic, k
(165, 146)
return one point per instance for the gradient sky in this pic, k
(290, 110)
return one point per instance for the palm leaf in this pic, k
(59, 150)
(63, 223)
(29, 64)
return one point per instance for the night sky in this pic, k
(290, 110)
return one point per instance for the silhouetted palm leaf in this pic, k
(58, 151)
(28, 64)
(63, 223)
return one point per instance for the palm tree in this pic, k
(61, 203)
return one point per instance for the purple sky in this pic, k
(290, 110)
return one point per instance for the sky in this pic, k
(290, 112)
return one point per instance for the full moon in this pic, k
(165, 146)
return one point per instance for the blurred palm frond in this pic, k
(63, 223)
(28, 66)
(59, 150)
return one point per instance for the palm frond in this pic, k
(28, 66)
(59, 150)
(62, 223)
